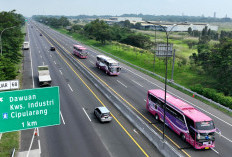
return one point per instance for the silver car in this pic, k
(103, 114)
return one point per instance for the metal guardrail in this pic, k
(165, 148)
(182, 87)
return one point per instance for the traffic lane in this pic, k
(126, 142)
(118, 134)
(70, 141)
(77, 136)
(26, 135)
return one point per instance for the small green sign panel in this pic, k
(30, 108)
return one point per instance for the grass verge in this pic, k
(8, 142)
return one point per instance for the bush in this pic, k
(214, 95)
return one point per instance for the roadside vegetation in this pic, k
(11, 66)
(203, 59)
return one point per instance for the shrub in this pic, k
(214, 95)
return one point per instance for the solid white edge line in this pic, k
(137, 83)
(39, 146)
(121, 83)
(86, 114)
(32, 139)
(62, 118)
(215, 151)
(70, 87)
(32, 72)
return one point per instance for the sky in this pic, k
(119, 7)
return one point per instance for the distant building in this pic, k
(131, 19)
(183, 27)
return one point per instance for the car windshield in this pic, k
(206, 125)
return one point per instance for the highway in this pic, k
(132, 86)
(80, 133)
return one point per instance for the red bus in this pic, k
(80, 51)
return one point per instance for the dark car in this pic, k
(52, 48)
(41, 34)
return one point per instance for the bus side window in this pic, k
(190, 124)
(152, 98)
(160, 103)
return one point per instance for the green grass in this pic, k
(8, 142)
(183, 75)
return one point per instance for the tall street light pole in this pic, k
(1, 36)
(166, 62)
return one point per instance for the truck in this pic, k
(44, 76)
(26, 45)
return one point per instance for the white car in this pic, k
(103, 114)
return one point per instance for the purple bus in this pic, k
(80, 51)
(110, 66)
(190, 124)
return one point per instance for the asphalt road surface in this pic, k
(80, 133)
(133, 85)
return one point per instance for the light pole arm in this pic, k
(1, 36)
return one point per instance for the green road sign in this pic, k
(31, 108)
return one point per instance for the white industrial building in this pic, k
(131, 19)
(183, 27)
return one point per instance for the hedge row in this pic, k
(214, 95)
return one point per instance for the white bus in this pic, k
(110, 66)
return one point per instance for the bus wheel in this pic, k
(157, 117)
(183, 137)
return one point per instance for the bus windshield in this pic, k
(207, 125)
(114, 64)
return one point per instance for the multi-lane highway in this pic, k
(80, 133)
(130, 86)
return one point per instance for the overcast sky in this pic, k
(118, 7)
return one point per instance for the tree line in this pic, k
(216, 62)
(170, 18)
(54, 21)
(12, 40)
(100, 31)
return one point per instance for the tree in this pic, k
(76, 28)
(138, 25)
(63, 21)
(220, 61)
(190, 31)
(138, 40)
(99, 30)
